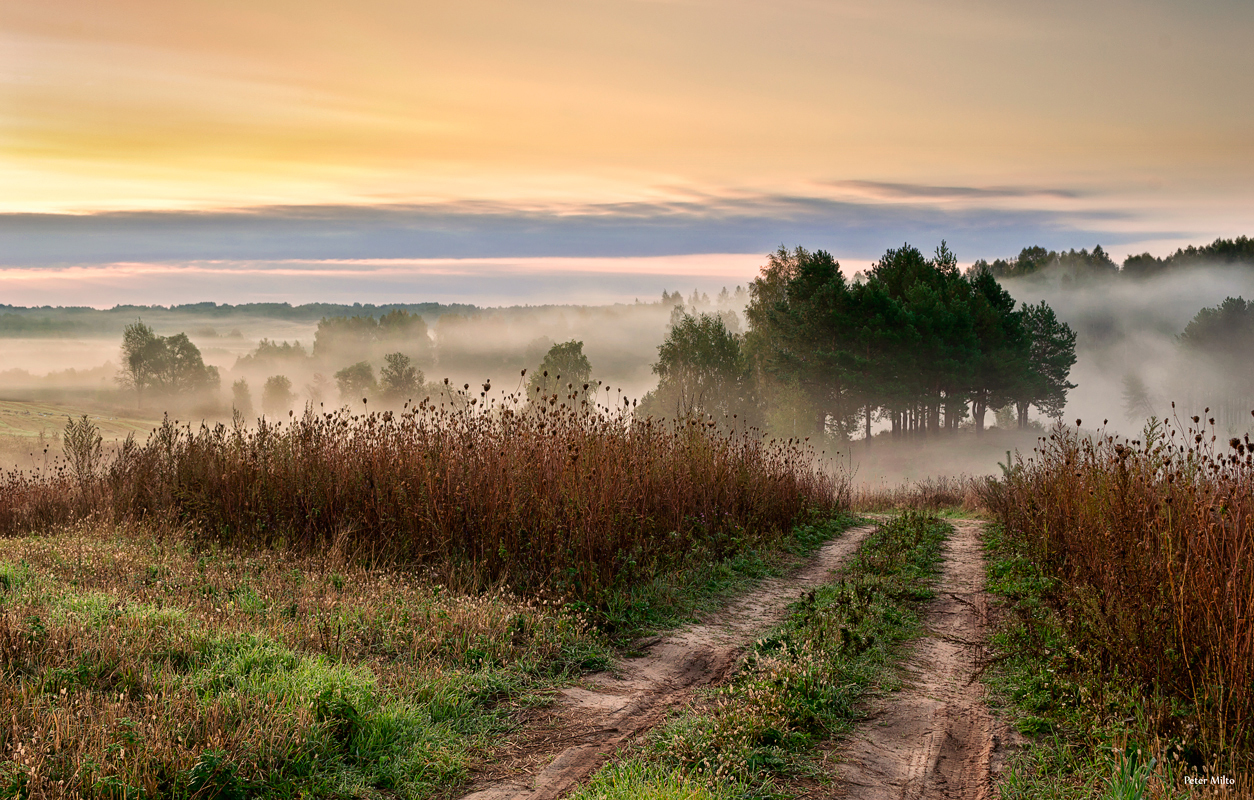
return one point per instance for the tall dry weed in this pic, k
(929, 494)
(1153, 540)
(556, 495)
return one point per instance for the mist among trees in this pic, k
(912, 347)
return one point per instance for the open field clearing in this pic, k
(135, 666)
(30, 419)
(26, 428)
(426, 604)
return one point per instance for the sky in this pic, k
(596, 150)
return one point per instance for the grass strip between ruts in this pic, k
(800, 684)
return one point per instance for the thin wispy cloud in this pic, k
(916, 191)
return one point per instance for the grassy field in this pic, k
(30, 419)
(27, 428)
(136, 666)
(356, 606)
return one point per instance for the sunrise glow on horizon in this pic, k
(616, 129)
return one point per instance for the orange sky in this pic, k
(1126, 117)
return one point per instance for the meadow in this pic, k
(349, 605)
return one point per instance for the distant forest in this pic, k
(1080, 264)
(911, 347)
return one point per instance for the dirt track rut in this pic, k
(607, 710)
(935, 738)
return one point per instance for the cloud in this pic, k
(917, 191)
(731, 224)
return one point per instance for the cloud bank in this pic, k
(480, 230)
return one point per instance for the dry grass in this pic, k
(931, 494)
(556, 497)
(1153, 543)
(348, 605)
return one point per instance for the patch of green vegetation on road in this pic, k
(1087, 736)
(800, 684)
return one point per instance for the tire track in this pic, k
(935, 738)
(606, 712)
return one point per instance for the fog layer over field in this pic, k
(464, 344)
(1127, 331)
(1130, 360)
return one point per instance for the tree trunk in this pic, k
(1023, 415)
(978, 407)
(868, 424)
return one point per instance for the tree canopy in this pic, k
(563, 364)
(1217, 343)
(913, 342)
(355, 337)
(701, 369)
(165, 365)
(399, 379)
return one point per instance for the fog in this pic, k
(1127, 335)
(462, 343)
(1127, 330)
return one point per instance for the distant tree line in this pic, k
(1083, 264)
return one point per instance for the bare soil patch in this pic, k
(935, 738)
(594, 719)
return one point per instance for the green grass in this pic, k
(799, 685)
(138, 668)
(193, 672)
(638, 779)
(1087, 733)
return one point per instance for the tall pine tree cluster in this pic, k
(914, 342)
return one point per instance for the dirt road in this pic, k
(935, 738)
(593, 720)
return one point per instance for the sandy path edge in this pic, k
(608, 710)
